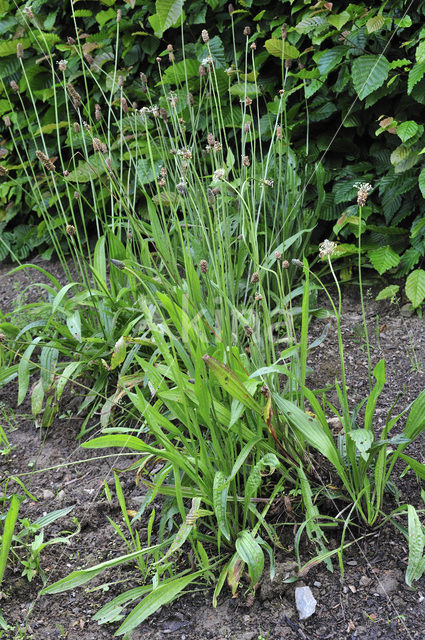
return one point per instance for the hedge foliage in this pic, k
(354, 78)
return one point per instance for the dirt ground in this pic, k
(371, 601)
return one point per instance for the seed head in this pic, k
(258, 297)
(284, 32)
(163, 171)
(171, 57)
(190, 99)
(88, 58)
(62, 64)
(296, 262)
(216, 191)
(70, 40)
(3, 171)
(363, 191)
(255, 278)
(97, 144)
(163, 114)
(66, 173)
(218, 174)
(326, 248)
(286, 265)
(124, 105)
(109, 166)
(210, 196)
(268, 183)
(7, 121)
(70, 230)
(278, 255)
(247, 31)
(248, 331)
(217, 146)
(202, 71)
(143, 78)
(119, 16)
(181, 188)
(76, 195)
(97, 112)
(74, 95)
(76, 127)
(120, 81)
(210, 140)
(170, 48)
(279, 133)
(158, 59)
(253, 46)
(248, 101)
(247, 127)
(246, 161)
(29, 12)
(203, 266)
(20, 50)
(230, 9)
(14, 86)
(204, 35)
(45, 161)
(161, 182)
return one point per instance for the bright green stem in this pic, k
(366, 334)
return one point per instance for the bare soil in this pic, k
(370, 601)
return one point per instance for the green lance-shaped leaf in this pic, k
(118, 355)
(416, 566)
(156, 599)
(369, 72)
(415, 287)
(8, 528)
(231, 383)
(251, 553)
(220, 490)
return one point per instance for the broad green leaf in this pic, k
(281, 49)
(78, 578)
(363, 439)
(231, 383)
(421, 181)
(420, 52)
(73, 322)
(37, 398)
(328, 60)
(178, 72)
(416, 74)
(147, 170)
(403, 158)
(220, 490)
(251, 553)
(7, 532)
(407, 130)
(375, 24)
(388, 292)
(87, 171)
(157, 598)
(8, 47)
(383, 258)
(415, 287)
(369, 72)
(339, 20)
(52, 126)
(415, 422)
(169, 11)
(24, 369)
(118, 356)
(416, 565)
(242, 89)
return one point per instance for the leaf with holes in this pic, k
(369, 72)
(415, 287)
(383, 258)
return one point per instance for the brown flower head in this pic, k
(45, 161)
(203, 266)
(204, 35)
(255, 278)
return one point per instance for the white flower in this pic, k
(327, 247)
(219, 174)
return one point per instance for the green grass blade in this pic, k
(8, 529)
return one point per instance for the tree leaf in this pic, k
(388, 292)
(421, 181)
(178, 72)
(416, 74)
(415, 287)
(375, 23)
(169, 11)
(383, 258)
(406, 130)
(369, 72)
(281, 49)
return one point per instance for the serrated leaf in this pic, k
(375, 23)
(243, 89)
(416, 74)
(177, 73)
(369, 72)
(407, 130)
(421, 181)
(52, 126)
(8, 47)
(388, 292)
(281, 49)
(420, 52)
(415, 287)
(339, 20)
(169, 11)
(328, 60)
(403, 158)
(87, 171)
(383, 258)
